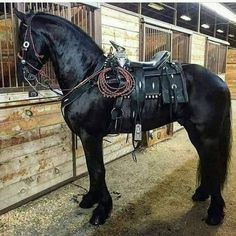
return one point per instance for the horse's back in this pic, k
(209, 95)
(203, 75)
(202, 83)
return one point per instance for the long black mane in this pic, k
(73, 53)
(82, 36)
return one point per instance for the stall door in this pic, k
(153, 40)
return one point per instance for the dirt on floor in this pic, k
(150, 197)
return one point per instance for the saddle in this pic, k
(158, 79)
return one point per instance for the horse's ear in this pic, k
(20, 15)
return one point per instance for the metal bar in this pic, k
(82, 17)
(14, 23)
(47, 7)
(57, 10)
(97, 26)
(93, 25)
(144, 41)
(24, 7)
(175, 14)
(78, 16)
(199, 17)
(53, 10)
(227, 33)
(90, 23)
(1, 60)
(63, 12)
(86, 19)
(7, 40)
(69, 12)
(74, 144)
(215, 26)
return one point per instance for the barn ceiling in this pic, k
(231, 6)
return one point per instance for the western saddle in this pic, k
(157, 79)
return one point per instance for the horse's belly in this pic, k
(152, 116)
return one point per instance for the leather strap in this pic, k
(117, 113)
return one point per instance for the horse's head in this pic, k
(33, 53)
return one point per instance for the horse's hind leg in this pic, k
(98, 192)
(210, 172)
(212, 167)
(201, 193)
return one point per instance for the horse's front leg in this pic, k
(98, 192)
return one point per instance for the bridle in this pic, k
(32, 79)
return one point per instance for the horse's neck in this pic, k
(72, 61)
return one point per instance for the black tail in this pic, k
(225, 143)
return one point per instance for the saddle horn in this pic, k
(117, 47)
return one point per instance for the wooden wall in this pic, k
(113, 148)
(198, 47)
(230, 76)
(121, 28)
(35, 150)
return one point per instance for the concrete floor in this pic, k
(151, 197)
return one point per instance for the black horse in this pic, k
(75, 56)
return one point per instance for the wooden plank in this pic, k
(111, 153)
(17, 127)
(120, 33)
(27, 166)
(125, 42)
(34, 134)
(158, 135)
(36, 180)
(117, 15)
(10, 153)
(120, 23)
(111, 141)
(231, 56)
(18, 113)
(22, 98)
(21, 190)
(118, 146)
(230, 76)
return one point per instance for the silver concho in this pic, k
(26, 44)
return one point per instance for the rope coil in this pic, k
(113, 92)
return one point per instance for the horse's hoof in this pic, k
(200, 196)
(215, 217)
(214, 220)
(88, 201)
(100, 214)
